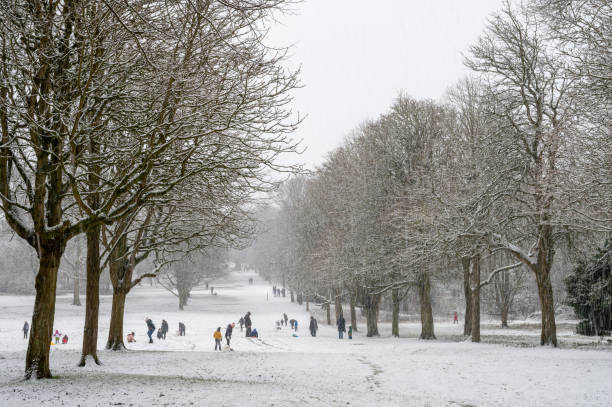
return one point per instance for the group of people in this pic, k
(161, 332)
(228, 336)
(57, 336)
(278, 292)
(244, 322)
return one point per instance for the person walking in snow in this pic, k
(248, 323)
(217, 336)
(350, 332)
(341, 323)
(285, 317)
(313, 326)
(150, 329)
(181, 329)
(241, 322)
(57, 335)
(455, 318)
(228, 333)
(26, 328)
(164, 329)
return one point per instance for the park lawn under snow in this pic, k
(282, 370)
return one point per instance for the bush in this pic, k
(589, 292)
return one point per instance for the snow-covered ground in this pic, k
(283, 370)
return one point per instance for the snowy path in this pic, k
(282, 370)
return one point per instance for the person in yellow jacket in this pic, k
(217, 335)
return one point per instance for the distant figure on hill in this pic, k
(283, 291)
(248, 323)
(241, 322)
(455, 318)
(350, 332)
(164, 329)
(26, 328)
(65, 340)
(130, 337)
(251, 281)
(217, 335)
(212, 289)
(181, 329)
(150, 329)
(341, 326)
(285, 317)
(313, 326)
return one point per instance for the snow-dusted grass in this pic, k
(283, 370)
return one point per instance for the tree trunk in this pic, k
(76, 300)
(396, 307)
(475, 292)
(467, 291)
(372, 306)
(504, 317)
(427, 325)
(292, 297)
(115, 331)
(299, 298)
(307, 306)
(549, 329)
(328, 310)
(337, 305)
(92, 297)
(41, 328)
(353, 313)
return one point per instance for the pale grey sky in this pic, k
(356, 55)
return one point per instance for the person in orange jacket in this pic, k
(217, 335)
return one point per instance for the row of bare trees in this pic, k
(144, 125)
(509, 171)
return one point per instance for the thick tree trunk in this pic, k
(183, 297)
(504, 317)
(92, 297)
(292, 297)
(475, 288)
(337, 305)
(299, 298)
(41, 328)
(467, 291)
(549, 329)
(328, 310)
(115, 331)
(372, 306)
(396, 307)
(427, 325)
(76, 300)
(353, 313)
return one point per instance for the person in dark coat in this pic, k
(228, 332)
(241, 322)
(26, 328)
(164, 329)
(292, 323)
(181, 329)
(313, 326)
(247, 323)
(150, 329)
(341, 323)
(285, 317)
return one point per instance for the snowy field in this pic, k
(282, 370)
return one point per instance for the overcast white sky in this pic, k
(356, 55)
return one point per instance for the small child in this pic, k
(57, 335)
(160, 335)
(130, 337)
(65, 340)
(350, 332)
(217, 335)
